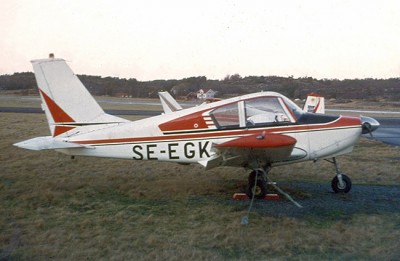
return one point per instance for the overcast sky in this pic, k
(150, 40)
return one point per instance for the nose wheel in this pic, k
(340, 183)
(341, 187)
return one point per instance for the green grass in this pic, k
(52, 207)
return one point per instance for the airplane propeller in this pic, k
(369, 125)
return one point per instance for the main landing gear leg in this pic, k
(340, 183)
(257, 185)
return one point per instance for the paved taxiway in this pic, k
(388, 131)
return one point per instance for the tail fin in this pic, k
(65, 100)
(169, 104)
(314, 104)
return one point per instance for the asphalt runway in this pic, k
(388, 132)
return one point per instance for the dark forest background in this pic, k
(232, 85)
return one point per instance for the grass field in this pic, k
(53, 207)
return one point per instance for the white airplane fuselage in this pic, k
(144, 140)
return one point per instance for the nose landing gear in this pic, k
(340, 183)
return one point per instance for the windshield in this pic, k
(264, 110)
(293, 106)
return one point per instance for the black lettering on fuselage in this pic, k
(137, 152)
(172, 151)
(189, 152)
(150, 151)
(203, 149)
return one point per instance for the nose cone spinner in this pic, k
(369, 124)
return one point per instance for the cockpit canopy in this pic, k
(257, 111)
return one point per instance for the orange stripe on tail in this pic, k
(58, 114)
(61, 129)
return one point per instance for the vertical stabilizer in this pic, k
(65, 100)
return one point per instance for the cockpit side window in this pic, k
(265, 111)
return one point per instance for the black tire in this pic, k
(336, 185)
(261, 186)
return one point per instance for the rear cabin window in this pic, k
(226, 116)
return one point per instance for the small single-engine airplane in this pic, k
(257, 131)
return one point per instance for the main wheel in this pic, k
(341, 189)
(260, 189)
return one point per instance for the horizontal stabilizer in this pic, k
(168, 103)
(46, 143)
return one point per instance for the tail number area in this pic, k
(179, 151)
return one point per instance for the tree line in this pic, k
(231, 85)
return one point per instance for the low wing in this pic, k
(253, 150)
